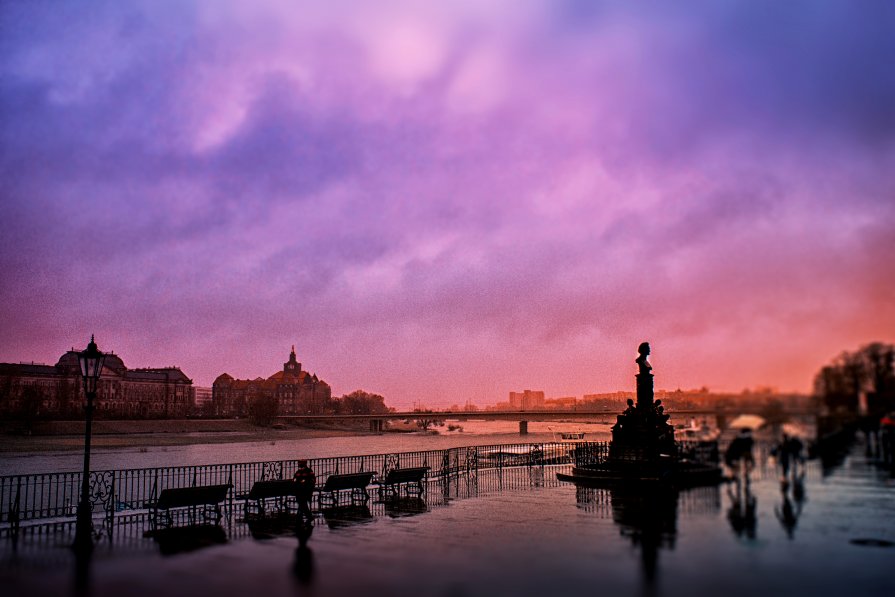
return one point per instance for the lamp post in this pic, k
(91, 361)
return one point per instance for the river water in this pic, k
(475, 433)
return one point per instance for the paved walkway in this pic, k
(524, 539)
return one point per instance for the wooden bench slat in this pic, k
(181, 497)
(272, 489)
(207, 496)
(411, 479)
(338, 482)
(405, 475)
(355, 482)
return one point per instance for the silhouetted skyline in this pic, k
(447, 202)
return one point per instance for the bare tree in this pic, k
(263, 410)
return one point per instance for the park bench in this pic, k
(208, 497)
(410, 479)
(353, 483)
(279, 490)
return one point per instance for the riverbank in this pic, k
(56, 436)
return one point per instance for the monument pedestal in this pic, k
(644, 390)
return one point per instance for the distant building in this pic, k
(296, 391)
(527, 400)
(29, 390)
(561, 403)
(607, 401)
(203, 400)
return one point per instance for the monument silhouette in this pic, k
(643, 447)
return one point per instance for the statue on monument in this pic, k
(645, 367)
(643, 445)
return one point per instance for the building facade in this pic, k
(295, 391)
(29, 390)
(527, 400)
(203, 402)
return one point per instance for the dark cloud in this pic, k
(799, 71)
(282, 151)
(742, 150)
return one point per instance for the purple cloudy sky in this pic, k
(443, 201)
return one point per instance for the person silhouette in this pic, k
(794, 447)
(781, 450)
(304, 488)
(303, 566)
(738, 456)
(751, 513)
(798, 489)
(735, 512)
(787, 514)
(743, 510)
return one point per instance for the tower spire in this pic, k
(293, 367)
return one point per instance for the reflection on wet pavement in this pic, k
(519, 531)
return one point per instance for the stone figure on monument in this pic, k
(642, 362)
(644, 378)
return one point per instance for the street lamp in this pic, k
(91, 361)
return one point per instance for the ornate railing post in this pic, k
(230, 493)
(110, 514)
(14, 514)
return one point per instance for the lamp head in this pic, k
(91, 361)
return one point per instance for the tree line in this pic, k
(868, 371)
(263, 410)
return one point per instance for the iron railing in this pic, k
(54, 496)
(597, 453)
(127, 530)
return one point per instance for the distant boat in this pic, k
(567, 436)
(570, 440)
(570, 436)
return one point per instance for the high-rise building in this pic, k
(527, 400)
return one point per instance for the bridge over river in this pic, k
(376, 421)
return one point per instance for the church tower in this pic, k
(292, 367)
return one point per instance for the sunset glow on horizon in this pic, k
(449, 201)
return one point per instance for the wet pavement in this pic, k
(520, 532)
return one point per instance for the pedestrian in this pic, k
(794, 447)
(784, 457)
(304, 488)
(739, 454)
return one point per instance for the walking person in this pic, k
(789, 456)
(738, 456)
(305, 481)
(784, 457)
(796, 459)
